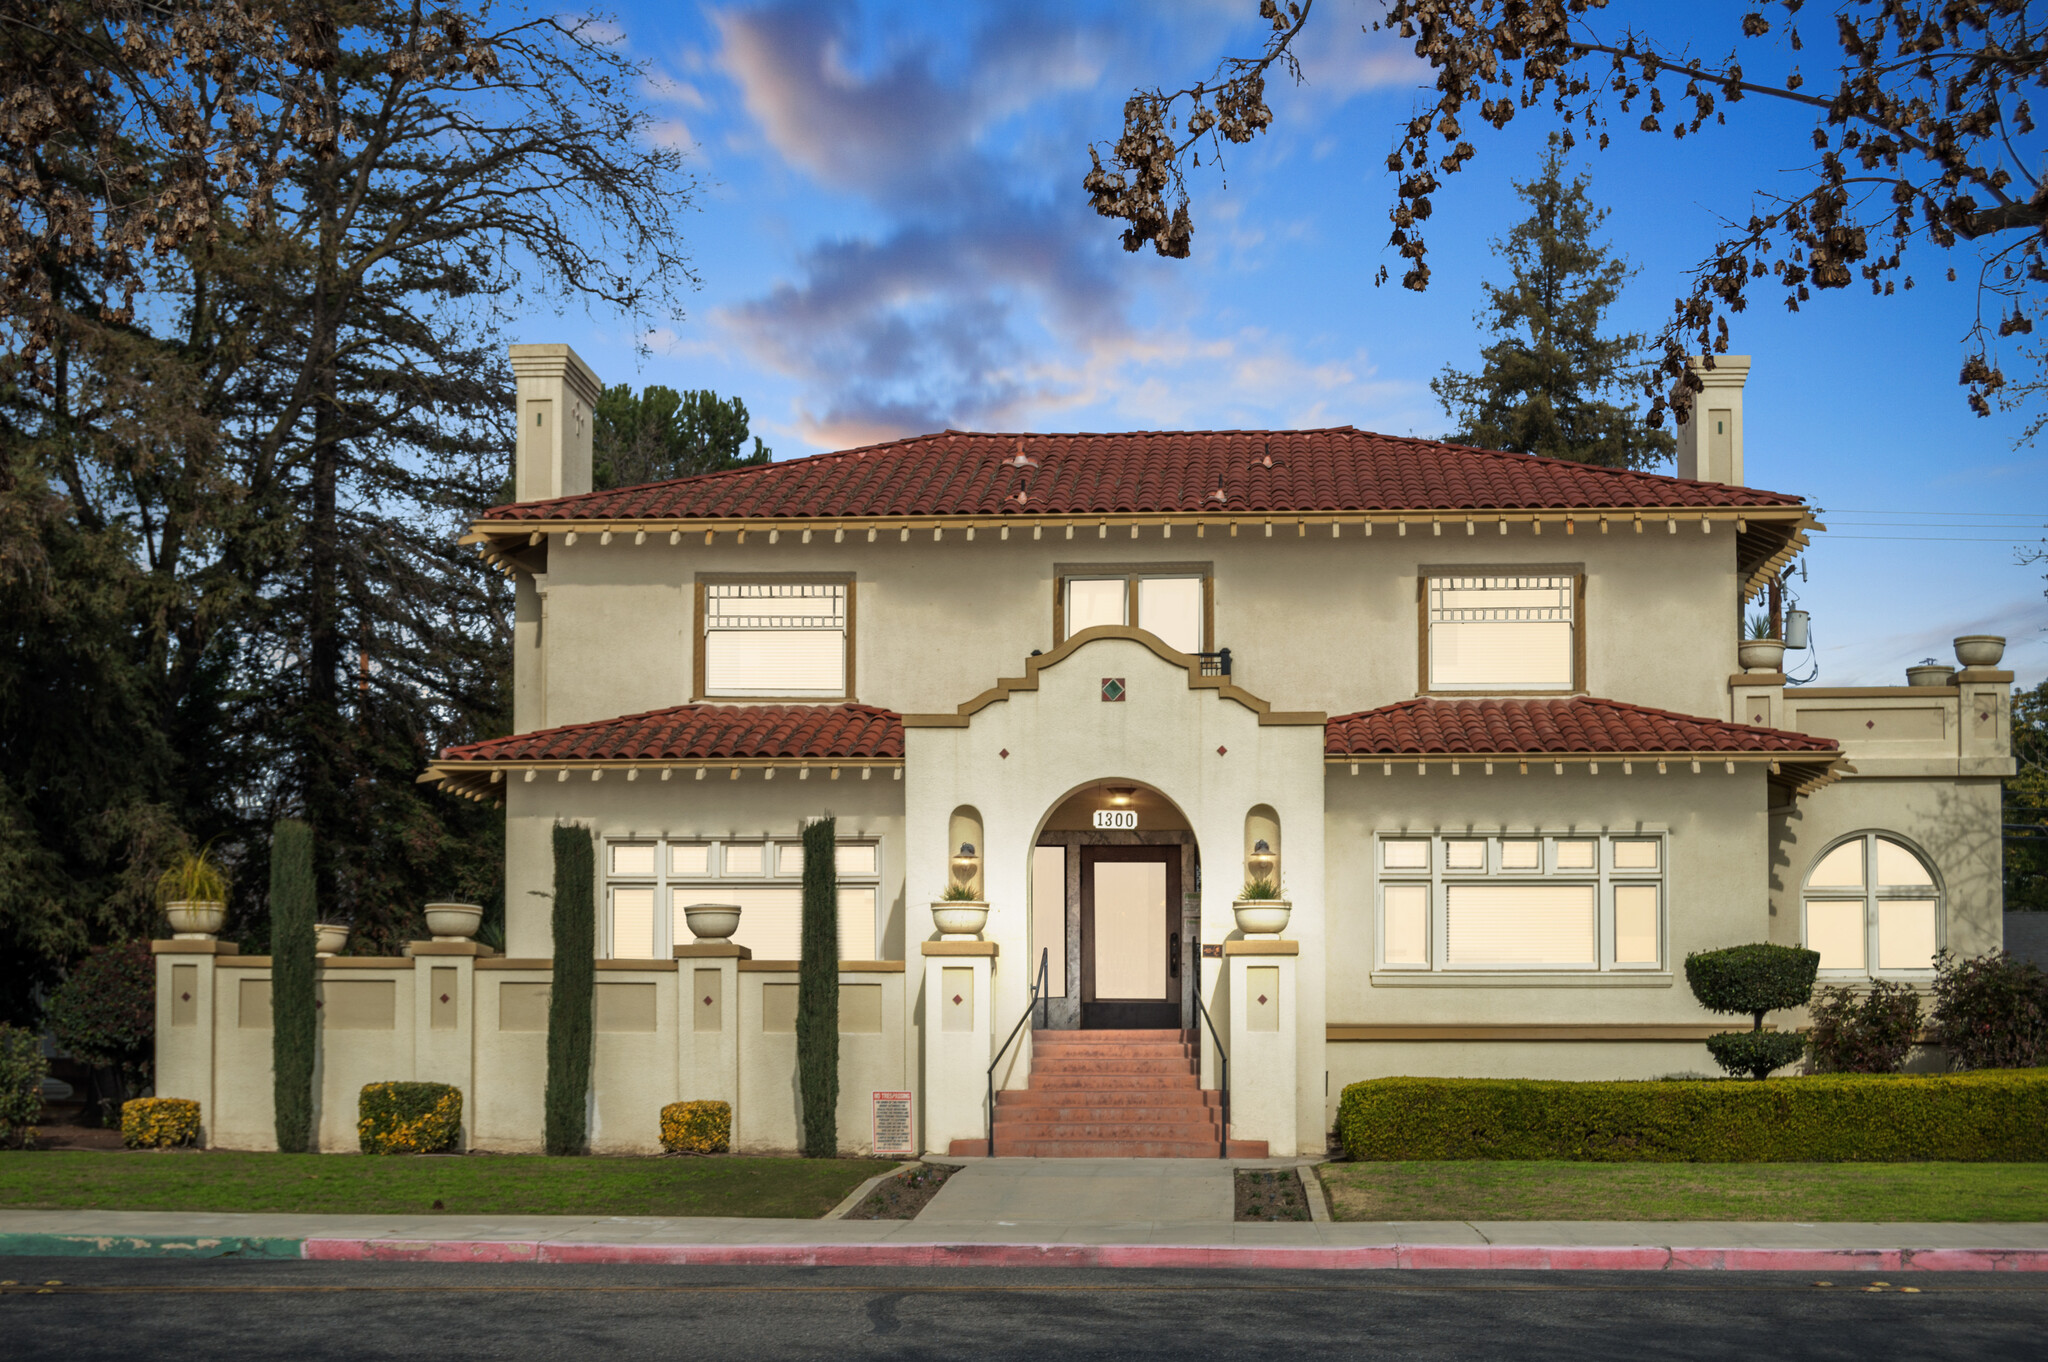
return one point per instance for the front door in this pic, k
(1130, 937)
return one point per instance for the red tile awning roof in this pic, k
(684, 735)
(1582, 726)
(964, 473)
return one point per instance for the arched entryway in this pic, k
(1116, 908)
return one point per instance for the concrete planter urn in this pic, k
(960, 918)
(1262, 917)
(1761, 654)
(712, 921)
(1980, 650)
(453, 921)
(329, 938)
(196, 919)
(1930, 674)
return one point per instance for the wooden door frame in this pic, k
(1169, 855)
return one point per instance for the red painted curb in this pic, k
(1604, 1258)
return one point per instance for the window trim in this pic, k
(1131, 573)
(1605, 876)
(1870, 895)
(697, 638)
(1425, 572)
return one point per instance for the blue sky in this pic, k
(892, 239)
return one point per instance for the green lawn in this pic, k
(1510, 1190)
(480, 1184)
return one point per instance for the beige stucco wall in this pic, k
(1312, 623)
(1354, 1062)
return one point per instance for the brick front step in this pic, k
(1107, 1149)
(1024, 1098)
(1180, 1054)
(1007, 1131)
(1044, 1082)
(1111, 1095)
(1006, 1117)
(1098, 1037)
(1049, 1066)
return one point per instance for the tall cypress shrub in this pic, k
(294, 1024)
(817, 992)
(575, 983)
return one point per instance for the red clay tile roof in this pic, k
(1427, 727)
(701, 732)
(965, 473)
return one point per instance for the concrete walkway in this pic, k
(1044, 1212)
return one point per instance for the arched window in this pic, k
(1873, 908)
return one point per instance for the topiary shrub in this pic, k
(696, 1127)
(23, 1066)
(104, 1013)
(1752, 980)
(159, 1122)
(570, 1022)
(1832, 1118)
(408, 1118)
(1990, 1012)
(817, 992)
(1864, 1033)
(294, 1019)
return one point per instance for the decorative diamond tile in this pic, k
(1222, 751)
(707, 1000)
(1112, 688)
(957, 1000)
(1262, 999)
(444, 997)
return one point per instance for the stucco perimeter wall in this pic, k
(1312, 623)
(716, 806)
(1165, 735)
(1952, 822)
(482, 1026)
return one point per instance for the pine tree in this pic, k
(570, 999)
(817, 992)
(294, 1023)
(1543, 387)
(663, 434)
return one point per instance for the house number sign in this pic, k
(1117, 820)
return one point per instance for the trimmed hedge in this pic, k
(159, 1122)
(408, 1118)
(1833, 1118)
(696, 1127)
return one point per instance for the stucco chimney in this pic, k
(1710, 444)
(557, 395)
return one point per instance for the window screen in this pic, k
(775, 639)
(1500, 633)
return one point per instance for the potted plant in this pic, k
(1260, 910)
(194, 895)
(712, 921)
(1980, 650)
(1930, 673)
(1762, 650)
(959, 913)
(453, 921)
(329, 937)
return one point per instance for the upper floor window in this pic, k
(775, 638)
(1872, 907)
(1502, 633)
(1170, 602)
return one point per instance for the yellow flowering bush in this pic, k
(409, 1118)
(159, 1122)
(696, 1127)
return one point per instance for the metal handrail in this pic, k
(1223, 1150)
(1037, 1000)
(1216, 663)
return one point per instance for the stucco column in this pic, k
(444, 1018)
(959, 979)
(708, 1029)
(1264, 1016)
(185, 992)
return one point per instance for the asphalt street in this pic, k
(85, 1308)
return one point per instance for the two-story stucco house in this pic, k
(1478, 713)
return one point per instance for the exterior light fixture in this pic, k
(1262, 863)
(1121, 794)
(966, 865)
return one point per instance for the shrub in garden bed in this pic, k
(696, 1127)
(22, 1068)
(1752, 980)
(1991, 1012)
(1864, 1033)
(159, 1122)
(409, 1118)
(1836, 1118)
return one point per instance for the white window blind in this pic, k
(632, 858)
(1872, 907)
(1635, 924)
(1898, 866)
(744, 858)
(1834, 927)
(633, 923)
(1576, 854)
(1841, 868)
(1520, 924)
(689, 858)
(1521, 854)
(1096, 600)
(1407, 924)
(775, 639)
(1635, 853)
(1171, 607)
(1465, 854)
(1406, 854)
(1905, 933)
(1500, 633)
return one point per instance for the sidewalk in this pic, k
(1152, 1213)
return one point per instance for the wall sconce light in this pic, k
(1262, 863)
(966, 865)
